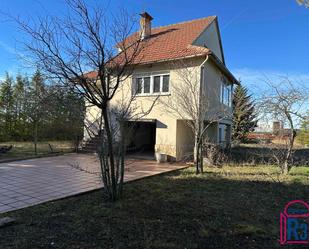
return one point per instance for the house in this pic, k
(197, 44)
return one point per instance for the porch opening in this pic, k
(142, 138)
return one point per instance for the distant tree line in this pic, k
(33, 109)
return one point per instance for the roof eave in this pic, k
(172, 59)
(220, 64)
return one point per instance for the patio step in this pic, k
(91, 145)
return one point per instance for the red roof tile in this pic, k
(168, 43)
(172, 41)
(91, 75)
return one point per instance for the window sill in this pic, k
(152, 94)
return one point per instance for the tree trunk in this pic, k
(201, 141)
(288, 156)
(35, 136)
(122, 152)
(196, 153)
(201, 159)
(103, 157)
(285, 168)
(286, 165)
(195, 148)
(113, 194)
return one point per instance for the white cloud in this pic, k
(7, 48)
(256, 83)
(255, 79)
(11, 50)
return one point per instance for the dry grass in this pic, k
(228, 207)
(26, 149)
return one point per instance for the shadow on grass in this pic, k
(176, 210)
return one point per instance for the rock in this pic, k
(6, 221)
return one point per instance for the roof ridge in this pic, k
(183, 22)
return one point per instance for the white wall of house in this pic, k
(210, 38)
(173, 137)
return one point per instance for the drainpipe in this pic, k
(202, 66)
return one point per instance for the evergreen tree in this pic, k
(244, 117)
(33, 109)
(37, 107)
(303, 136)
(19, 117)
(6, 107)
(65, 113)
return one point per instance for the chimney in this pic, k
(145, 25)
(277, 127)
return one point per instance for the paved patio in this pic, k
(30, 182)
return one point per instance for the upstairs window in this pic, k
(154, 84)
(165, 83)
(226, 92)
(147, 85)
(139, 85)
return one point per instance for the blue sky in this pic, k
(265, 37)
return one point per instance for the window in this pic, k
(147, 85)
(139, 85)
(226, 93)
(166, 80)
(220, 134)
(154, 84)
(224, 134)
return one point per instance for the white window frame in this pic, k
(226, 88)
(152, 75)
(224, 133)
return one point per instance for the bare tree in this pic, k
(191, 103)
(67, 48)
(287, 102)
(303, 2)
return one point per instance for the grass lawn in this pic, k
(230, 207)
(26, 149)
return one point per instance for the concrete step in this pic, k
(91, 145)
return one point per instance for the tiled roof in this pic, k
(168, 43)
(91, 75)
(172, 41)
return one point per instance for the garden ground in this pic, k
(23, 150)
(229, 207)
(30, 182)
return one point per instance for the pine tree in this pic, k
(37, 108)
(33, 110)
(18, 108)
(244, 117)
(303, 135)
(6, 107)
